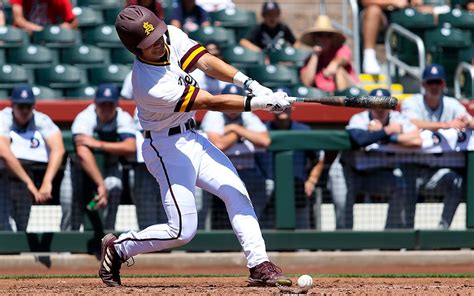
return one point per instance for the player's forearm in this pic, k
(56, 156)
(434, 126)
(259, 139)
(247, 44)
(316, 171)
(224, 142)
(89, 164)
(222, 103)
(128, 146)
(411, 139)
(2, 18)
(309, 71)
(216, 68)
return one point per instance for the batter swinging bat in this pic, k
(371, 102)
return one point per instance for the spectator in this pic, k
(33, 138)
(215, 5)
(307, 168)
(34, 15)
(2, 14)
(432, 111)
(271, 34)
(239, 136)
(212, 85)
(365, 128)
(189, 16)
(104, 127)
(329, 67)
(153, 5)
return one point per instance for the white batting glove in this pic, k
(275, 103)
(257, 89)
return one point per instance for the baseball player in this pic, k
(102, 126)
(433, 110)
(178, 157)
(33, 138)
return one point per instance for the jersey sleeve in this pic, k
(407, 125)
(188, 50)
(358, 121)
(289, 37)
(409, 108)
(83, 124)
(213, 122)
(460, 110)
(253, 122)
(4, 127)
(45, 125)
(127, 88)
(125, 125)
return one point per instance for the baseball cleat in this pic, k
(267, 274)
(110, 262)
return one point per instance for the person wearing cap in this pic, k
(189, 17)
(329, 67)
(433, 110)
(34, 15)
(365, 128)
(105, 128)
(178, 157)
(240, 136)
(272, 34)
(28, 138)
(307, 168)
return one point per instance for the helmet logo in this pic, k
(148, 28)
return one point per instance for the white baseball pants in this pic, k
(179, 163)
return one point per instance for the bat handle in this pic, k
(295, 99)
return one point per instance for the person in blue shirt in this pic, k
(189, 17)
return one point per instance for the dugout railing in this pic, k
(284, 237)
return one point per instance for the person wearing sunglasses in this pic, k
(433, 110)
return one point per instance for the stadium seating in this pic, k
(99, 4)
(83, 92)
(121, 55)
(239, 20)
(31, 56)
(10, 75)
(350, 92)
(56, 37)
(110, 14)
(289, 55)
(4, 94)
(43, 92)
(103, 36)
(88, 17)
(12, 37)
(242, 57)
(274, 75)
(61, 76)
(308, 92)
(221, 36)
(84, 56)
(108, 74)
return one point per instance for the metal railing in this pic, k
(392, 59)
(463, 66)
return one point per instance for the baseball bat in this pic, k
(371, 102)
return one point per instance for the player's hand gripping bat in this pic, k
(371, 102)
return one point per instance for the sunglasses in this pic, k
(24, 106)
(434, 82)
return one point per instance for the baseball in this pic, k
(305, 281)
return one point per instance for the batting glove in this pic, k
(257, 89)
(275, 103)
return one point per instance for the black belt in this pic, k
(190, 124)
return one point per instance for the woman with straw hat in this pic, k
(329, 67)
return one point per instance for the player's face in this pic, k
(154, 52)
(434, 88)
(105, 111)
(272, 18)
(22, 113)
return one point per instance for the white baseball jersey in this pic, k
(448, 109)
(166, 100)
(361, 121)
(28, 142)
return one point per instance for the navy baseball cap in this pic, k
(270, 6)
(23, 94)
(232, 89)
(107, 93)
(433, 72)
(380, 92)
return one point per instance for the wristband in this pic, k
(240, 79)
(247, 106)
(393, 138)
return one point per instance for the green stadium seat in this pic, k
(10, 75)
(4, 94)
(56, 37)
(43, 92)
(308, 92)
(31, 56)
(458, 3)
(108, 74)
(100, 4)
(168, 6)
(121, 55)
(61, 76)
(7, 9)
(88, 17)
(2, 56)
(274, 75)
(242, 57)
(84, 56)
(83, 92)
(12, 37)
(103, 36)
(289, 55)
(110, 14)
(412, 19)
(236, 19)
(351, 92)
(221, 36)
